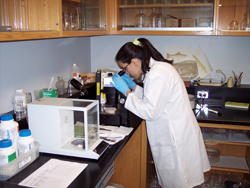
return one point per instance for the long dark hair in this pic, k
(144, 51)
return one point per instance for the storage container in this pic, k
(20, 163)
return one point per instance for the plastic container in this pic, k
(25, 141)
(74, 72)
(20, 163)
(20, 104)
(213, 154)
(9, 129)
(7, 151)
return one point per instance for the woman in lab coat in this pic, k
(174, 135)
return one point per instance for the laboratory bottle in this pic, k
(160, 19)
(9, 129)
(152, 19)
(60, 85)
(141, 19)
(25, 141)
(20, 104)
(7, 151)
(74, 72)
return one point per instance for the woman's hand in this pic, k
(119, 83)
(131, 84)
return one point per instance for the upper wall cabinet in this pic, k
(233, 17)
(40, 19)
(84, 17)
(168, 17)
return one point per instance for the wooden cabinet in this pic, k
(45, 18)
(238, 150)
(130, 166)
(232, 17)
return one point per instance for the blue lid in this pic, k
(6, 117)
(24, 132)
(5, 143)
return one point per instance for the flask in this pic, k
(7, 151)
(141, 19)
(152, 19)
(74, 72)
(25, 141)
(9, 129)
(20, 104)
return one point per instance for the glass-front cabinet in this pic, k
(83, 15)
(167, 15)
(233, 17)
(41, 19)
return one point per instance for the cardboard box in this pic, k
(171, 22)
(187, 22)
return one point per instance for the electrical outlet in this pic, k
(203, 94)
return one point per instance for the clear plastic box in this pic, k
(20, 163)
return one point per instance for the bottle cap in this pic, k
(24, 133)
(6, 117)
(5, 143)
(19, 90)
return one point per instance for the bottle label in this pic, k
(75, 75)
(4, 159)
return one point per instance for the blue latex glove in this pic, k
(119, 83)
(128, 80)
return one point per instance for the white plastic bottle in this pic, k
(7, 151)
(9, 129)
(74, 72)
(20, 104)
(25, 141)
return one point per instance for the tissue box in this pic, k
(45, 93)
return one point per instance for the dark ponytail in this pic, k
(143, 51)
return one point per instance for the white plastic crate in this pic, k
(20, 163)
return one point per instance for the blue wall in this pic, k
(31, 64)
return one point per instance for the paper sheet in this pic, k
(54, 174)
(114, 132)
(183, 53)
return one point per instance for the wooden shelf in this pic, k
(168, 5)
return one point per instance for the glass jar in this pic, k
(141, 19)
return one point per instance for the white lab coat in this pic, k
(174, 135)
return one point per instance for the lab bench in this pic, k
(126, 155)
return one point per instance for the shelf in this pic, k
(168, 5)
(167, 29)
(224, 126)
(231, 164)
(227, 143)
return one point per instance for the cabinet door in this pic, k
(30, 19)
(233, 17)
(156, 17)
(83, 17)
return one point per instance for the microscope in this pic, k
(112, 110)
